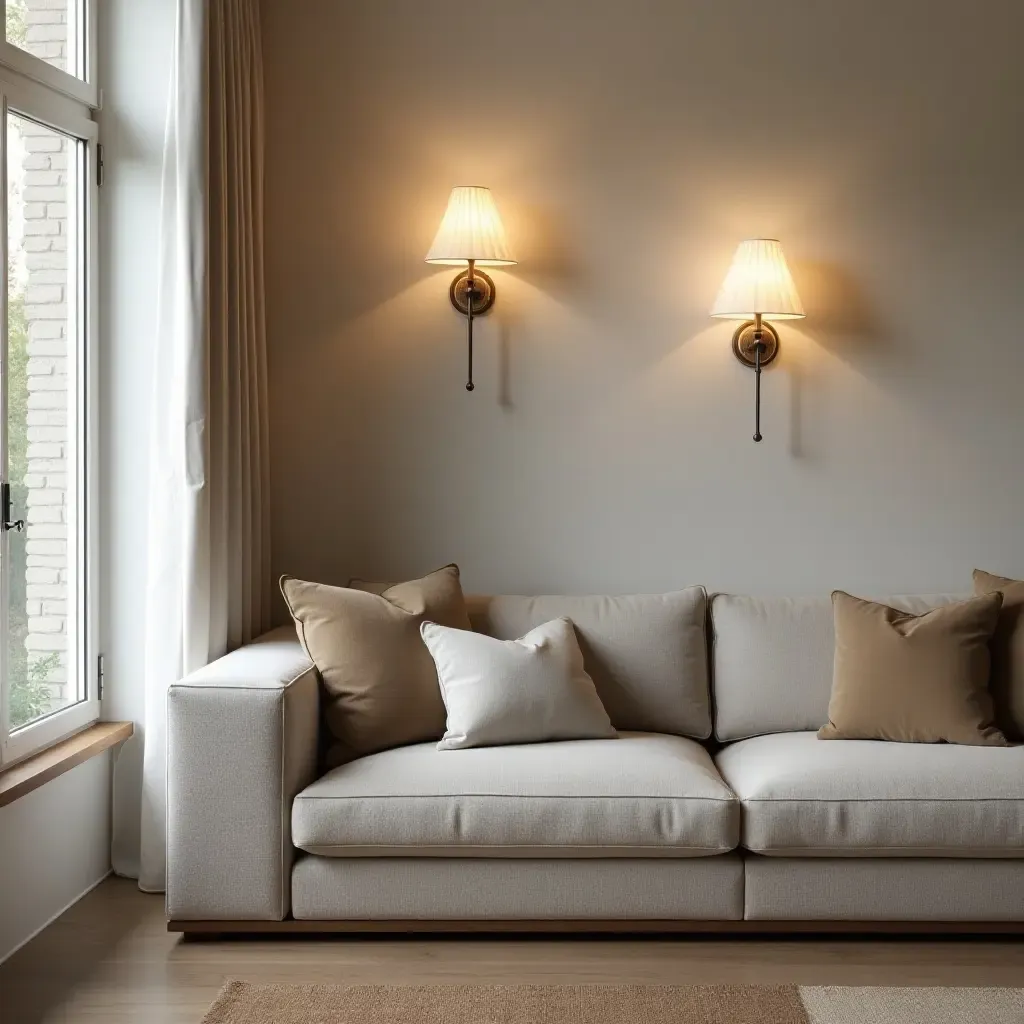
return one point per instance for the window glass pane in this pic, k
(42, 577)
(48, 29)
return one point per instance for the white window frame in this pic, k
(30, 86)
(82, 90)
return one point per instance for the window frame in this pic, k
(31, 87)
(82, 90)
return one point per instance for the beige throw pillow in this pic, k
(380, 685)
(1007, 652)
(913, 678)
(529, 690)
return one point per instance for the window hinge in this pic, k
(99, 164)
(100, 676)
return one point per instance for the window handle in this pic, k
(5, 500)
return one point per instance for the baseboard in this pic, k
(930, 929)
(46, 924)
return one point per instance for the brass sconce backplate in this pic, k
(743, 343)
(459, 293)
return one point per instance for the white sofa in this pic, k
(717, 808)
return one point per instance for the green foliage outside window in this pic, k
(16, 22)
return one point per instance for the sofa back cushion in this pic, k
(647, 653)
(772, 660)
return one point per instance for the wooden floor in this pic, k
(110, 959)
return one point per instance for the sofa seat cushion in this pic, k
(802, 796)
(640, 795)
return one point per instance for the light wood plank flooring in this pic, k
(109, 959)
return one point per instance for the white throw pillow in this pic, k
(528, 690)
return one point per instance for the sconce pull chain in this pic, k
(470, 296)
(758, 349)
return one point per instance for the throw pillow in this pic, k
(1007, 652)
(913, 678)
(528, 690)
(380, 687)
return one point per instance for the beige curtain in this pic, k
(209, 585)
(239, 463)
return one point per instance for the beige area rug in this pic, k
(914, 1005)
(611, 1004)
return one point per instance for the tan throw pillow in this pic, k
(913, 678)
(1007, 652)
(380, 682)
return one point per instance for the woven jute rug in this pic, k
(611, 1004)
(505, 1004)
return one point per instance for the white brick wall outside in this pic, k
(44, 194)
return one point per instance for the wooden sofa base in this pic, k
(931, 929)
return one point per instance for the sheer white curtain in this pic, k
(208, 582)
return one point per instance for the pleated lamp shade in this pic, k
(471, 230)
(758, 281)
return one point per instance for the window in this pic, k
(49, 31)
(48, 41)
(48, 662)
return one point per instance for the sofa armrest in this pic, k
(241, 742)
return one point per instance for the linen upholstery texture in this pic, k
(1007, 653)
(647, 653)
(242, 742)
(913, 678)
(863, 798)
(782, 889)
(434, 889)
(772, 660)
(640, 795)
(380, 685)
(529, 690)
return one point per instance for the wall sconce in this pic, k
(757, 285)
(471, 232)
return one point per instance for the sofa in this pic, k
(716, 808)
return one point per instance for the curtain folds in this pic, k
(208, 579)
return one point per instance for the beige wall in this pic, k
(630, 146)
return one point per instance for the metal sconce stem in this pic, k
(758, 349)
(756, 344)
(471, 296)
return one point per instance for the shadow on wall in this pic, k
(549, 263)
(840, 321)
(838, 309)
(507, 322)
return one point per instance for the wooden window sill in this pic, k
(35, 771)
